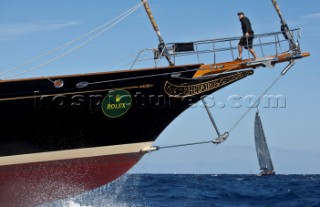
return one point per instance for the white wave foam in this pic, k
(74, 204)
(103, 203)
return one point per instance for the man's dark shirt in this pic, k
(246, 26)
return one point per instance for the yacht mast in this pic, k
(162, 45)
(285, 28)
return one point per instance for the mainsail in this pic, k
(263, 153)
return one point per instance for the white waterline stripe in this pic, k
(74, 154)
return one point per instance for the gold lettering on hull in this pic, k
(181, 91)
(116, 106)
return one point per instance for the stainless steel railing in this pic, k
(219, 50)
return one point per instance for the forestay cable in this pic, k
(223, 137)
(156, 148)
(113, 22)
(255, 103)
(284, 71)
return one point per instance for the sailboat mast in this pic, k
(285, 27)
(152, 20)
(276, 6)
(156, 29)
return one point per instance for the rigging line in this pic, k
(182, 145)
(210, 116)
(156, 148)
(85, 84)
(222, 138)
(114, 22)
(67, 44)
(258, 100)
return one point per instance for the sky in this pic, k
(34, 27)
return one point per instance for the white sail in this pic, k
(263, 153)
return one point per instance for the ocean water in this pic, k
(152, 190)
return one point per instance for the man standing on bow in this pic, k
(247, 38)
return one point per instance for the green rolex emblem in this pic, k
(116, 103)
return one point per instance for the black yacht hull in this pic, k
(63, 135)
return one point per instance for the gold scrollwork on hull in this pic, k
(181, 91)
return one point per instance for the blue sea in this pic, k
(136, 190)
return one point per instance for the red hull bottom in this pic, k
(38, 183)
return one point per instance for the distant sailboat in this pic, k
(263, 153)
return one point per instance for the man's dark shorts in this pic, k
(245, 42)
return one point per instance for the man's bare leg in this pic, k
(253, 53)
